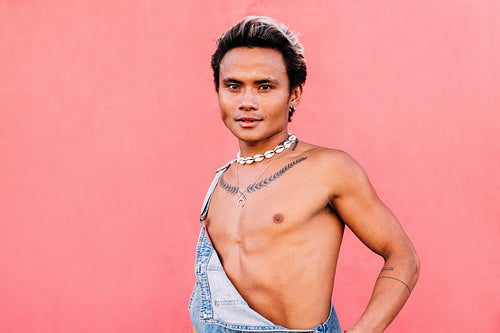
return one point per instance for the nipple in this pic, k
(278, 218)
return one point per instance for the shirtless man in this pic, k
(272, 226)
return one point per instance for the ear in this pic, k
(295, 95)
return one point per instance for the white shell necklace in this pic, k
(268, 154)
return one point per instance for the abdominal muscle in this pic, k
(284, 271)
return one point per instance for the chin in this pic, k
(242, 133)
(249, 137)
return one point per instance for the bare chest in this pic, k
(269, 213)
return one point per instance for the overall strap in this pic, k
(206, 202)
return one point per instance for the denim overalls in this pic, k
(215, 305)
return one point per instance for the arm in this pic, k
(374, 224)
(193, 330)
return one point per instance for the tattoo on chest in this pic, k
(231, 189)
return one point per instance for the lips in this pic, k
(248, 122)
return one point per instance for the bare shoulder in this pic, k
(330, 160)
(336, 168)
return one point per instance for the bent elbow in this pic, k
(417, 266)
(414, 267)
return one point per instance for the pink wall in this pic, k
(109, 134)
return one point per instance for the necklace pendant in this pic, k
(241, 201)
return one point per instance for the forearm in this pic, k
(392, 288)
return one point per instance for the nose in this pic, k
(248, 101)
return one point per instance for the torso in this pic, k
(280, 249)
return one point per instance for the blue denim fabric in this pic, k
(216, 306)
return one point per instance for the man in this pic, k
(273, 219)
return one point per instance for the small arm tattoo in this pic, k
(393, 278)
(387, 269)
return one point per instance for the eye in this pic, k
(232, 86)
(265, 87)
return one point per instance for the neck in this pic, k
(251, 148)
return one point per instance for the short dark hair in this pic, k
(264, 32)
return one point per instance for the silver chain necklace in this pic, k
(242, 199)
(268, 154)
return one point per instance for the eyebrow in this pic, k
(266, 80)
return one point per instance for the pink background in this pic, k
(110, 133)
